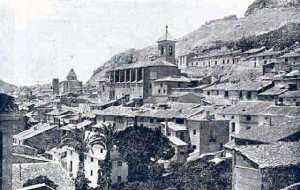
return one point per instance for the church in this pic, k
(136, 80)
(71, 84)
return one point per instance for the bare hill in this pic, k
(261, 17)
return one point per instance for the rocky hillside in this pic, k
(261, 17)
(6, 87)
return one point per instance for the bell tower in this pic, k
(166, 47)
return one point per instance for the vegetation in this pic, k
(106, 138)
(7, 103)
(196, 175)
(76, 139)
(40, 180)
(141, 148)
(282, 38)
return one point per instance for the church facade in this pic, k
(137, 80)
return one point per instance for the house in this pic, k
(266, 166)
(184, 60)
(247, 115)
(165, 86)
(290, 60)
(207, 133)
(273, 93)
(118, 116)
(181, 149)
(41, 136)
(21, 173)
(92, 163)
(219, 57)
(290, 80)
(186, 97)
(264, 58)
(238, 91)
(289, 98)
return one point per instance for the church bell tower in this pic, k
(166, 47)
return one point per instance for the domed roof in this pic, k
(166, 37)
(72, 75)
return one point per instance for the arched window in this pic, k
(162, 51)
(170, 50)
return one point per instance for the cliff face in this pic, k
(6, 87)
(261, 17)
(263, 4)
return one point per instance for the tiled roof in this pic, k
(246, 108)
(291, 94)
(158, 62)
(276, 90)
(271, 133)
(245, 86)
(174, 79)
(291, 111)
(33, 131)
(272, 155)
(291, 54)
(267, 53)
(176, 127)
(117, 111)
(23, 172)
(256, 50)
(176, 141)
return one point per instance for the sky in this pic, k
(44, 39)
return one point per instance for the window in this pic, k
(119, 163)
(161, 85)
(249, 95)
(170, 50)
(101, 150)
(151, 120)
(233, 127)
(92, 159)
(91, 172)
(241, 95)
(208, 93)
(248, 127)
(194, 147)
(162, 51)
(248, 118)
(119, 179)
(232, 117)
(71, 166)
(194, 131)
(226, 94)
(164, 91)
(158, 91)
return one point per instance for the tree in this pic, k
(39, 180)
(7, 103)
(76, 139)
(106, 138)
(142, 147)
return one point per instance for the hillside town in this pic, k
(223, 117)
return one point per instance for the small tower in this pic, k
(166, 47)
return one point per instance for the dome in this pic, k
(72, 75)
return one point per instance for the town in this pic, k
(223, 117)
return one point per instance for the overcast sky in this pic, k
(46, 38)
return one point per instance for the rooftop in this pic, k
(291, 94)
(33, 131)
(274, 91)
(174, 79)
(272, 155)
(167, 36)
(158, 62)
(245, 86)
(295, 53)
(176, 141)
(176, 127)
(246, 108)
(117, 111)
(255, 50)
(22, 172)
(271, 133)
